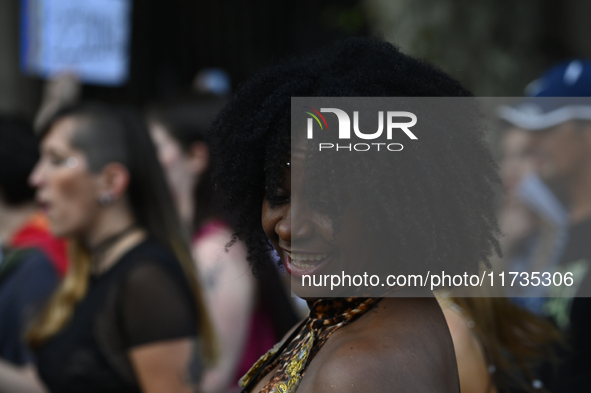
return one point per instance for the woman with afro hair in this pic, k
(439, 198)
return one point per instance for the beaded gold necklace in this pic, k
(297, 351)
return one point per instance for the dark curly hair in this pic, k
(440, 198)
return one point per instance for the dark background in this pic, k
(494, 47)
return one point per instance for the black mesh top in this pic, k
(143, 298)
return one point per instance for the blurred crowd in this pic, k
(247, 317)
(118, 265)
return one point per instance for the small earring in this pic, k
(106, 199)
(72, 162)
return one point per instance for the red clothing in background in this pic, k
(35, 233)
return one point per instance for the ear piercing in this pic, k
(106, 199)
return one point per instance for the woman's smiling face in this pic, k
(304, 237)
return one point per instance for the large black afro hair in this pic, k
(444, 191)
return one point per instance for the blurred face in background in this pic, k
(560, 151)
(172, 157)
(66, 190)
(182, 167)
(517, 160)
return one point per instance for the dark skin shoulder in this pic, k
(402, 345)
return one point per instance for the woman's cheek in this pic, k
(77, 200)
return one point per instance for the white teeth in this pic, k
(301, 265)
(297, 259)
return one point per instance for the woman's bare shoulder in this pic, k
(392, 349)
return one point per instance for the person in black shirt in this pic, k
(130, 309)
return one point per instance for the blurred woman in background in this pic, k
(249, 313)
(129, 310)
(499, 346)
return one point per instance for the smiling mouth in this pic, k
(305, 260)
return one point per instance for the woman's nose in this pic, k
(296, 223)
(36, 176)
